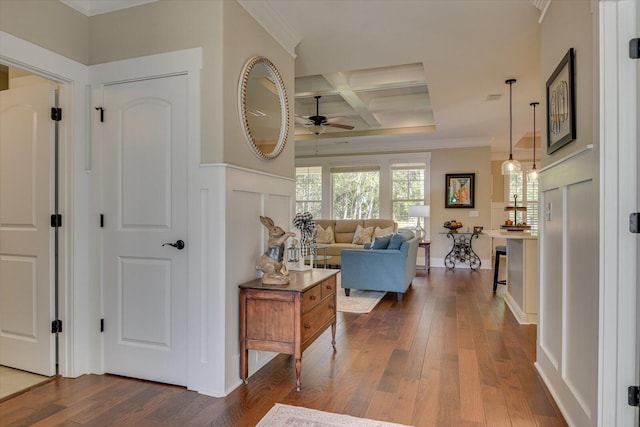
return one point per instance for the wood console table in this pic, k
(287, 319)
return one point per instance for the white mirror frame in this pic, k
(284, 107)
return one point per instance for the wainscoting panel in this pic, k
(567, 356)
(581, 295)
(225, 244)
(549, 332)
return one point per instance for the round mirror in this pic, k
(264, 108)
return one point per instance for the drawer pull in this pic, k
(329, 287)
(331, 306)
(312, 297)
(307, 326)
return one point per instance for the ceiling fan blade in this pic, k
(336, 125)
(303, 121)
(336, 119)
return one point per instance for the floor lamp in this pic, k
(419, 211)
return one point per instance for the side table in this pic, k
(427, 255)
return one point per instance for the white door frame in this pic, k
(618, 247)
(187, 61)
(73, 191)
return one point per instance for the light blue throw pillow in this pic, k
(381, 242)
(399, 238)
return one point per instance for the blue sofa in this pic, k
(387, 269)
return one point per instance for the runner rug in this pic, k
(297, 416)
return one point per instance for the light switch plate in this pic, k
(474, 213)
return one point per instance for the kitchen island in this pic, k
(522, 273)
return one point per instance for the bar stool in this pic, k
(500, 251)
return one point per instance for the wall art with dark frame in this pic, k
(460, 190)
(561, 104)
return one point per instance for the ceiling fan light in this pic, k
(317, 129)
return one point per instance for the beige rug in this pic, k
(297, 416)
(359, 301)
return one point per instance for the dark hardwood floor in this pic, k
(449, 354)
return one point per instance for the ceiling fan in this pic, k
(318, 124)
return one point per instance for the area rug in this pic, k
(359, 301)
(297, 416)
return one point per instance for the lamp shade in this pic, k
(420, 211)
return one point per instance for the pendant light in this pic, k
(510, 166)
(532, 174)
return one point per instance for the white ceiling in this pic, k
(466, 49)
(407, 74)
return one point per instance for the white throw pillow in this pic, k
(379, 232)
(363, 235)
(324, 236)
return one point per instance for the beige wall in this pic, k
(478, 161)
(243, 39)
(49, 24)
(167, 26)
(570, 24)
(227, 34)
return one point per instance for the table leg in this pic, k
(298, 370)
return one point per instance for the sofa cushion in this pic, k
(378, 222)
(379, 231)
(324, 235)
(336, 249)
(381, 242)
(345, 229)
(362, 235)
(400, 237)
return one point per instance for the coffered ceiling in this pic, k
(410, 74)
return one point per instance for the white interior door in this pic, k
(26, 303)
(145, 206)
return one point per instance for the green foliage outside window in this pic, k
(356, 194)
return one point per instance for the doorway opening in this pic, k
(29, 226)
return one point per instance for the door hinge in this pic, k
(633, 395)
(634, 222)
(634, 48)
(101, 325)
(101, 220)
(56, 326)
(56, 114)
(56, 220)
(101, 113)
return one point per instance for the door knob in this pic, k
(179, 245)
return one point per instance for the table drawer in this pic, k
(318, 316)
(311, 298)
(328, 287)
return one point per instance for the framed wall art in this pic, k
(561, 104)
(460, 190)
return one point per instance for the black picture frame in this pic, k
(561, 104)
(460, 190)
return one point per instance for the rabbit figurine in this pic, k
(271, 262)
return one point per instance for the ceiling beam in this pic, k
(340, 82)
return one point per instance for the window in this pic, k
(527, 192)
(356, 192)
(407, 189)
(309, 190)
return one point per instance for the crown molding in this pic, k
(97, 7)
(542, 6)
(273, 23)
